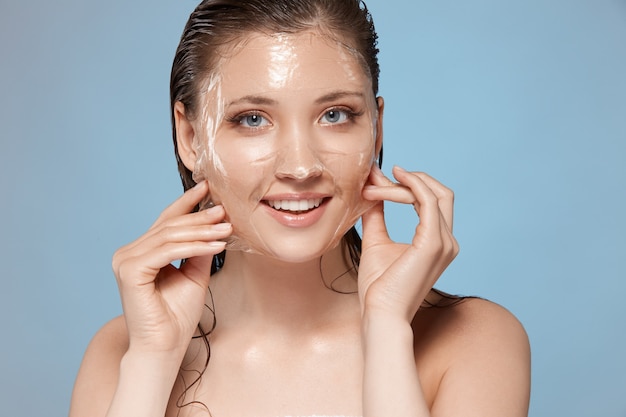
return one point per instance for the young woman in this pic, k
(278, 309)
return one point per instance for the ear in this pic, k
(379, 125)
(185, 134)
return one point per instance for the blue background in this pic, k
(519, 106)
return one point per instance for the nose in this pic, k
(297, 160)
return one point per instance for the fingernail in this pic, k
(222, 226)
(399, 168)
(217, 244)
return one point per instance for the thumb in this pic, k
(198, 269)
(374, 227)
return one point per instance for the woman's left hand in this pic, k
(394, 278)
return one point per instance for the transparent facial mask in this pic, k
(292, 159)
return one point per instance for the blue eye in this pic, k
(335, 116)
(253, 120)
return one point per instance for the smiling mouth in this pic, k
(295, 206)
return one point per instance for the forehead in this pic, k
(263, 63)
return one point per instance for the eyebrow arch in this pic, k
(335, 95)
(265, 101)
(254, 99)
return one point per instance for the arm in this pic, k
(131, 365)
(99, 370)
(391, 386)
(109, 370)
(487, 365)
(394, 280)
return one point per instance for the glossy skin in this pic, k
(289, 118)
(284, 343)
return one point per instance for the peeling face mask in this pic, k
(287, 139)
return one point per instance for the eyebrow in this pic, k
(265, 101)
(336, 95)
(253, 99)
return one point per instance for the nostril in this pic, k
(300, 172)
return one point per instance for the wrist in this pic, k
(150, 369)
(370, 316)
(145, 384)
(380, 323)
(388, 309)
(142, 357)
(391, 385)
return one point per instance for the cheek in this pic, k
(350, 171)
(352, 176)
(238, 175)
(244, 171)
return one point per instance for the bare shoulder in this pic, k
(470, 320)
(99, 370)
(112, 335)
(481, 358)
(489, 327)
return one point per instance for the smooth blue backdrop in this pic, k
(520, 106)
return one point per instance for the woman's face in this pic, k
(287, 138)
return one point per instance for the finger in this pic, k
(444, 195)
(432, 217)
(211, 215)
(426, 202)
(165, 235)
(377, 177)
(208, 217)
(185, 203)
(143, 269)
(198, 269)
(187, 228)
(374, 227)
(395, 192)
(196, 226)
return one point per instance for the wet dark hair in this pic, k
(216, 24)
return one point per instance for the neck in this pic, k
(263, 290)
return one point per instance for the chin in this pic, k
(295, 248)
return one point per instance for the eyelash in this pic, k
(238, 119)
(350, 115)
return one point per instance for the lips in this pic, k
(297, 210)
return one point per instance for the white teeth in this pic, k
(295, 205)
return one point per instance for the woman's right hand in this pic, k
(162, 303)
